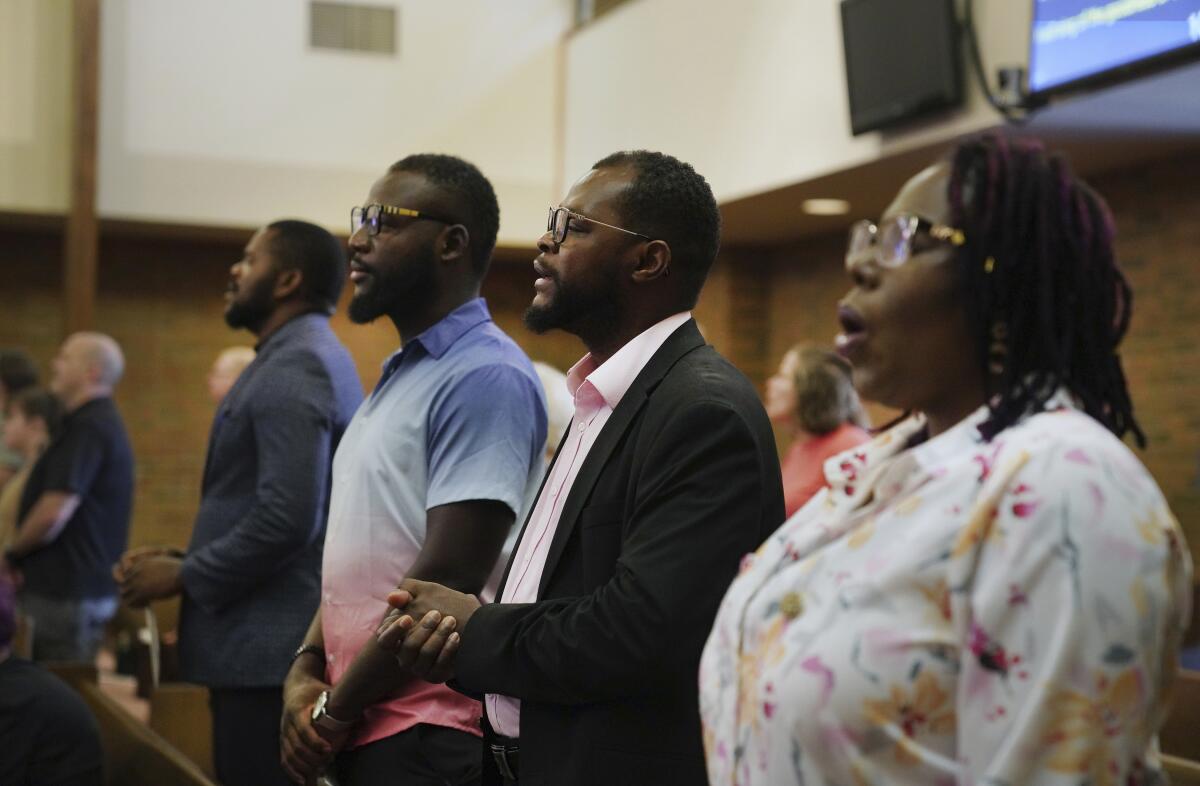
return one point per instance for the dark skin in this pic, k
(463, 540)
(917, 354)
(153, 573)
(646, 294)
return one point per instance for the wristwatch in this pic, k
(309, 649)
(323, 720)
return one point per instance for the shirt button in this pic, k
(582, 426)
(791, 606)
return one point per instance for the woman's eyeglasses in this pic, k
(891, 242)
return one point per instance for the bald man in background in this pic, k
(74, 512)
(226, 369)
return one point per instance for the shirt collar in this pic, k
(613, 378)
(851, 466)
(441, 336)
(293, 325)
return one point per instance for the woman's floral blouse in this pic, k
(959, 612)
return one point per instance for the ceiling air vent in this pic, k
(352, 27)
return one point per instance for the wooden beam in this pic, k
(81, 245)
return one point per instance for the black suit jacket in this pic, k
(681, 483)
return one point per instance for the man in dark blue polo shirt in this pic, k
(74, 512)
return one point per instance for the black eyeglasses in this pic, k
(371, 217)
(891, 242)
(559, 222)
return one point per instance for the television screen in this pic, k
(902, 59)
(1075, 40)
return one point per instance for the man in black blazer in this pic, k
(667, 477)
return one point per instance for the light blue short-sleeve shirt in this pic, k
(458, 415)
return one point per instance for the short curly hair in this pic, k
(318, 255)
(473, 194)
(668, 200)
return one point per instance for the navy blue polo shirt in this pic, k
(91, 458)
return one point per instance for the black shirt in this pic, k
(50, 737)
(91, 458)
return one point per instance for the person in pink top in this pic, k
(813, 397)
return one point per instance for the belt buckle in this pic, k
(500, 755)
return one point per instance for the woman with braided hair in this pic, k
(992, 590)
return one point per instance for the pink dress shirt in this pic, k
(596, 391)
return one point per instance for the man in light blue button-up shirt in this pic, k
(437, 464)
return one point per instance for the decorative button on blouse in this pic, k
(791, 606)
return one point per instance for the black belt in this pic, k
(505, 752)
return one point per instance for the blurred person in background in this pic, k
(226, 369)
(17, 372)
(812, 396)
(32, 420)
(49, 736)
(559, 405)
(993, 590)
(73, 518)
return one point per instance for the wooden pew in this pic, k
(179, 712)
(1180, 734)
(1181, 772)
(134, 755)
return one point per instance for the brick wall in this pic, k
(161, 298)
(1157, 209)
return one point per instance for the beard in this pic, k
(251, 309)
(585, 312)
(391, 290)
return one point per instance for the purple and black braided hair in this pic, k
(1053, 282)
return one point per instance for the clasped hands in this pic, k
(148, 573)
(422, 628)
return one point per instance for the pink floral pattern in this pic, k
(972, 613)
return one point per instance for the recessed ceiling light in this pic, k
(825, 207)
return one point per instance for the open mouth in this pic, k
(854, 330)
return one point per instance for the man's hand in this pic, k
(134, 556)
(427, 648)
(303, 752)
(149, 578)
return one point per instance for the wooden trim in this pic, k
(82, 235)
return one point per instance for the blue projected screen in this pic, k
(1074, 39)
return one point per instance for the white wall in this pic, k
(217, 112)
(752, 93)
(35, 66)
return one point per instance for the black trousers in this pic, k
(246, 736)
(424, 755)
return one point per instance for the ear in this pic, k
(453, 243)
(287, 283)
(654, 262)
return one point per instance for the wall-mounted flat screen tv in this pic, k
(902, 60)
(1081, 43)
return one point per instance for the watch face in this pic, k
(319, 707)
